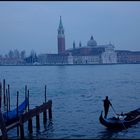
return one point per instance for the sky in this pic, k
(32, 25)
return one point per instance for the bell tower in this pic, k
(61, 38)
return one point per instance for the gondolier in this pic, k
(107, 103)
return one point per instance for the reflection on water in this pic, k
(48, 131)
(110, 134)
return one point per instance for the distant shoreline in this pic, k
(70, 64)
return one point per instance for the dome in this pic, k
(92, 42)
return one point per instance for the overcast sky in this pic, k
(33, 25)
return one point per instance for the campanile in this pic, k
(61, 38)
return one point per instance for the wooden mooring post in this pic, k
(45, 92)
(4, 102)
(8, 97)
(0, 94)
(17, 113)
(27, 116)
(37, 121)
(28, 101)
(45, 108)
(26, 91)
(3, 126)
(50, 113)
(44, 116)
(45, 111)
(5, 93)
(21, 127)
(30, 126)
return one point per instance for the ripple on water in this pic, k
(77, 93)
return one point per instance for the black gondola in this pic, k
(130, 118)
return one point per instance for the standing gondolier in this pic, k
(107, 103)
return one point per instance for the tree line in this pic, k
(15, 56)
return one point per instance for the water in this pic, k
(77, 93)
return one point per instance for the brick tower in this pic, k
(61, 38)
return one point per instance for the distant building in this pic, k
(62, 57)
(90, 54)
(61, 38)
(127, 57)
(93, 53)
(11, 61)
(55, 59)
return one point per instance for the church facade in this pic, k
(92, 53)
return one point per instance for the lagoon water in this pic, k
(76, 93)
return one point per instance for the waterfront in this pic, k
(77, 93)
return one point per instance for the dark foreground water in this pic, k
(77, 93)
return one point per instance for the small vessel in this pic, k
(124, 122)
(12, 116)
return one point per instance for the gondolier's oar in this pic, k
(114, 110)
(117, 115)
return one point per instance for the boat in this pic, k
(12, 116)
(118, 122)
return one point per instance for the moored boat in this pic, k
(129, 119)
(12, 116)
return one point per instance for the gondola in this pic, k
(129, 119)
(12, 116)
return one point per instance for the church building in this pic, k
(92, 53)
(61, 57)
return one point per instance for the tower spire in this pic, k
(61, 38)
(73, 44)
(60, 23)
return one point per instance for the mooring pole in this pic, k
(50, 113)
(9, 97)
(45, 92)
(25, 91)
(17, 113)
(0, 94)
(21, 125)
(30, 126)
(17, 102)
(28, 101)
(3, 126)
(26, 95)
(44, 117)
(4, 92)
(37, 121)
(7, 102)
(30, 120)
(44, 112)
